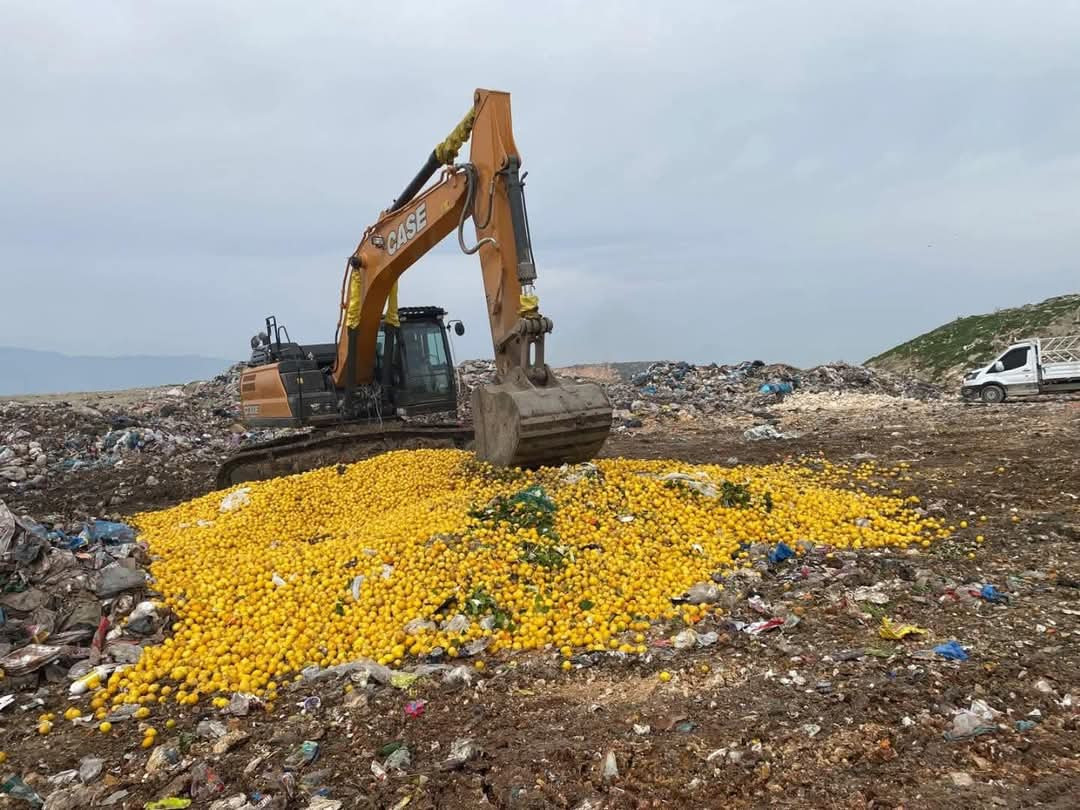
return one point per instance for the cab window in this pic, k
(426, 365)
(1015, 358)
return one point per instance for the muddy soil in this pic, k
(823, 714)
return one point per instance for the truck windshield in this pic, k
(1014, 358)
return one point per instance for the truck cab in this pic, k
(1027, 368)
(1014, 371)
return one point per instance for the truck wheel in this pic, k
(992, 394)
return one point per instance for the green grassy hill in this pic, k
(951, 349)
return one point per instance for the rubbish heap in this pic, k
(432, 555)
(70, 601)
(752, 385)
(102, 453)
(691, 392)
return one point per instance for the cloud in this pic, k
(714, 181)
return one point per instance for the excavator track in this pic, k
(342, 444)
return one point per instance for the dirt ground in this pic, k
(823, 714)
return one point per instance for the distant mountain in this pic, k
(28, 371)
(956, 346)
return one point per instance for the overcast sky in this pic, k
(708, 181)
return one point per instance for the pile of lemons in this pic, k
(423, 551)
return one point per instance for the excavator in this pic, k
(390, 364)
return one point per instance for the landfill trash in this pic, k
(980, 718)
(74, 798)
(415, 708)
(757, 628)
(776, 388)
(610, 769)
(992, 594)
(163, 757)
(236, 499)
(403, 680)
(459, 675)
(871, 594)
(323, 803)
(691, 638)
(700, 593)
(205, 783)
(241, 703)
(765, 432)
(90, 768)
(961, 779)
(229, 741)
(781, 552)
(697, 483)
(378, 771)
(1025, 725)
(896, 632)
(16, 788)
(237, 802)
(952, 651)
(54, 600)
(399, 759)
(305, 754)
(642, 729)
(169, 803)
(211, 729)
(98, 674)
(462, 750)
(685, 640)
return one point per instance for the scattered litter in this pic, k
(766, 431)
(898, 631)
(235, 499)
(872, 594)
(610, 769)
(781, 552)
(975, 721)
(305, 754)
(399, 759)
(461, 751)
(952, 651)
(415, 708)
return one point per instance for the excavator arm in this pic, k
(528, 417)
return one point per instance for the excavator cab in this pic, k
(413, 363)
(289, 384)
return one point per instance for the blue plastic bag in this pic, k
(782, 552)
(108, 531)
(952, 651)
(776, 388)
(992, 594)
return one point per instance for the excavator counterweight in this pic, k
(388, 364)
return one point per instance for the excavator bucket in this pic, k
(519, 424)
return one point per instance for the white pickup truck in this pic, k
(1027, 368)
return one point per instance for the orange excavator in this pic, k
(389, 364)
